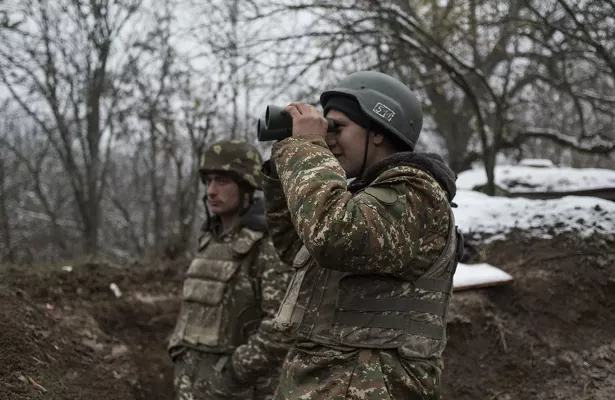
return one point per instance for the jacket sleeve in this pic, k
(391, 224)
(279, 223)
(265, 350)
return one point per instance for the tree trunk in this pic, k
(490, 170)
(4, 215)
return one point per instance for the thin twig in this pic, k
(37, 385)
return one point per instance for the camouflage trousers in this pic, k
(320, 373)
(196, 371)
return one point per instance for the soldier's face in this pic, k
(347, 144)
(222, 194)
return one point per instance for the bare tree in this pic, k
(56, 65)
(154, 90)
(589, 24)
(576, 43)
(35, 198)
(6, 190)
(34, 155)
(468, 60)
(177, 113)
(199, 113)
(417, 47)
(229, 36)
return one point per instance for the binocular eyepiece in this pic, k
(278, 125)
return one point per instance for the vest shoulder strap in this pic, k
(448, 253)
(247, 246)
(246, 239)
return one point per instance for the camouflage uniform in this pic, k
(223, 344)
(374, 263)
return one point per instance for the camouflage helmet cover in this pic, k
(236, 156)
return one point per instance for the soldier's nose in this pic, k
(212, 191)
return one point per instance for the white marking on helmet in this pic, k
(384, 111)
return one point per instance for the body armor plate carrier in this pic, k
(372, 311)
(220, 298)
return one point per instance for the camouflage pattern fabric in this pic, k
(261, 357)
(193, 373)
(353, 233)
(197, 376)
(236, 156)
(397, 225)
(363, 374)
(255, 363)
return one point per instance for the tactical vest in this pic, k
(220, 297)
(371, 311)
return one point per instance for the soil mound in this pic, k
(550, 335)
(40, 359)
(109, 347)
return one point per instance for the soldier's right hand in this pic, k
(307, 121)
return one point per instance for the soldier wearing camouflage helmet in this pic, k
(374, 259)
(223, 346)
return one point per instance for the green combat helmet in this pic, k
(385, 100)
(236, 156)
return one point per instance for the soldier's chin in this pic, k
(350, 174)
(216, 209)
(346, 170)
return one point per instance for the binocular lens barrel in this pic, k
(278, 125)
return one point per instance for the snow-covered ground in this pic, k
(494, 217)
(522, 178)
(488, 218)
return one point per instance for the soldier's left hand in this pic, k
(227, 387)
(306, 120)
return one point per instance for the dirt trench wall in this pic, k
(550, 335)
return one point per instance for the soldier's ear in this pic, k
(377, 138)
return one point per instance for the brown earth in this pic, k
(71, 335)
(550, 335)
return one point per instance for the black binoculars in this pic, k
(278, 125)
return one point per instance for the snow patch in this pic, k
(493, 217)
(523, 178)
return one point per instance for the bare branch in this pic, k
(595, 144)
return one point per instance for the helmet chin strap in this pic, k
(242, 208)
(364, 164)
(207, 213)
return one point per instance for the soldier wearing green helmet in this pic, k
(374, 259)
(223, 344)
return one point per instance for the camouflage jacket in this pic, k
(259, 350)
(393, 225)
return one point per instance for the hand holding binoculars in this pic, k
(278, 125)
